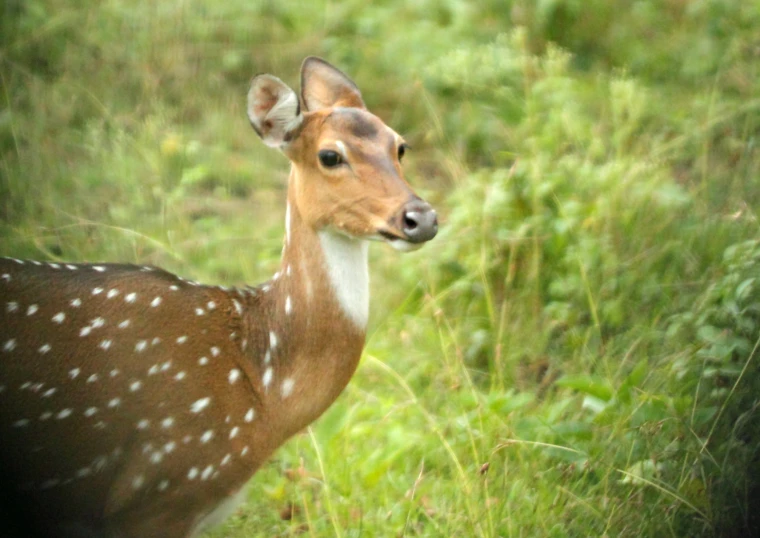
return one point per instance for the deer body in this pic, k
(134, 403)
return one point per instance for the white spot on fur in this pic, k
(112, 293)
(59, 317)
(182, 339)
(288, 305)
(47, 484)
(286, 389)
(99, 268)
(76, 303)
(155, 302)
(63, 413)
(84, 472)
(74, 373)
(249, 415)
(32, 310)
(266, 379)
(200, 405)
(9, 345)
(44, 348)
(97, 291)
(124, 324)
(206, 436)
(234, 375)
(11, 306)
(99, 463)
(207, 472)
(233, 432)
(214, 351)
(130, 298)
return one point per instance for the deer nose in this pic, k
(419, 221)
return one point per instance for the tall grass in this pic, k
(574, 355)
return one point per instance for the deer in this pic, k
(137, 403)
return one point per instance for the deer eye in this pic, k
(402, 151)
(330, 158)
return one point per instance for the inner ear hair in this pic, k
(273, 110)
(326, 86)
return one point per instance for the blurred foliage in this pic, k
(578, 344)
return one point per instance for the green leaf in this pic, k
(633, 380)
(503, 404)
(587, 384)
(711, 335)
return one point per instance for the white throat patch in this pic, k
(346, 264)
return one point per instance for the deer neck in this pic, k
(316, 307)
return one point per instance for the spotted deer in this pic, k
(135, 403)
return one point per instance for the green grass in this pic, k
(574, 355)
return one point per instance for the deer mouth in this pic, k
(398, 242)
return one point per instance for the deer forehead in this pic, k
(354, 128)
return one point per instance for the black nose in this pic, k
(419, 222)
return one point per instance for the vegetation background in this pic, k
(574, 355)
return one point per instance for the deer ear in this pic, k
(324, 86)
(273, 110)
